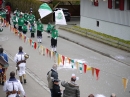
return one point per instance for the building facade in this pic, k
(111, 17)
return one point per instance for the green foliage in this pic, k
(24, 5)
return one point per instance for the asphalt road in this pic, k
(111, 71)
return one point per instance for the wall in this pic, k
(111, 21)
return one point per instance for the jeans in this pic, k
(51, 92)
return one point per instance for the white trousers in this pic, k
(22, 68)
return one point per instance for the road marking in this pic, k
(32, 75)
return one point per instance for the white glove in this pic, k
(55, 38)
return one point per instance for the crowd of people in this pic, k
(27, 22)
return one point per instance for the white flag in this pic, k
(60, 18)
(44, 10)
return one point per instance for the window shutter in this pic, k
(110, 4)
(96, 2)
(121, 5)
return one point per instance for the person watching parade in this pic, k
(2, 54)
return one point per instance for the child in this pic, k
(49, 29)
(1, 71)
(56, 88)
(14, 20)
(24, 28)
(33, 30)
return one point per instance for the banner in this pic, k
(44, 10)
(60, 18)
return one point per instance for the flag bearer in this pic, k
(54, 36)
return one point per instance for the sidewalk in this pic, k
(32, 88)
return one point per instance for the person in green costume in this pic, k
(17, 12)
(24, 28)
(26, 17)
(33, 30)
(3, 15)
(54, 36)
(14, 20)
(20, 23)
(39, 31)
(49, 27)
(31, 18)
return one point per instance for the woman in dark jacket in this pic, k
(56, 88)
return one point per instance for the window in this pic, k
(97, 23)
(117, 2)
(128, 4)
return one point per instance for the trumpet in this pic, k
(26, 56)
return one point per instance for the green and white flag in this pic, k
(60, 18)
(44, 10)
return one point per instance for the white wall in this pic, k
(108, 28)
(111, 21)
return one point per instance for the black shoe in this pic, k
(21, 82)
(48, 36)
(2, 83)
(25, 81)
(40, 42)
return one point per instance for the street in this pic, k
(110, 76)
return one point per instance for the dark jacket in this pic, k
(56, 91)
(52, 74)
(71, 89)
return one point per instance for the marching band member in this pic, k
(20, 23)
(20, 60)
(49, 27)
(13, 87)
(39, 31)
(14, 20)
(54, 35)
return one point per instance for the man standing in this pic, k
(3, 69)
(39, 31)
(13, 87)
(71, 88)
(54, 35)
(51, 75)
(21, 64)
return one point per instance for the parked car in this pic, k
(66, 13)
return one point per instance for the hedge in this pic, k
(24, 5)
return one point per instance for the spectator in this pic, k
(71, 88)
(113, 95)
(56, 88)
(91, 95)
(100, 95)
(51, 75)
(3, 69)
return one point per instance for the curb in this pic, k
(111, 42)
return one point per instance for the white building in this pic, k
(111, 17)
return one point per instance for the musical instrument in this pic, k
(26, 56)
(3, 62)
